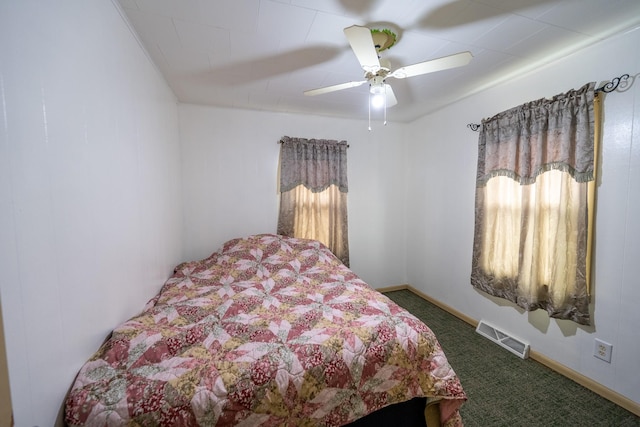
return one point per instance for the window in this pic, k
(534, 205)
(313, 192)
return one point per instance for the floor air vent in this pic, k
(504, 339)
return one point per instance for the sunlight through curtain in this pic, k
(313, 192)
(533, 214)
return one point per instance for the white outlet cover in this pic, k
(602, 350)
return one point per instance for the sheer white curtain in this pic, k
(313, 192)
(533, 194)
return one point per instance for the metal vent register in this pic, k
(515, 345)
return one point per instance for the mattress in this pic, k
(267, 331)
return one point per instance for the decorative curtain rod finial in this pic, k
(474, 126)
(613, 84)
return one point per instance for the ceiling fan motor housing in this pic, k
(377, 77)
(377, 81)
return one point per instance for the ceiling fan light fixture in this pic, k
(377, 89)
(378, 94)
(377, 101)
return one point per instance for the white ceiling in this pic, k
(262, 54)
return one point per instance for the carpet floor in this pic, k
(504, 390)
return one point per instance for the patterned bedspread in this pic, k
(267, 331)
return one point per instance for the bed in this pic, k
(267, 331)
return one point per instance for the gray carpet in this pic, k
(504, 390)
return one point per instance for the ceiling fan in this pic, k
(366, 45)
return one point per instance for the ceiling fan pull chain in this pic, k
(369, 109)
(385, 103)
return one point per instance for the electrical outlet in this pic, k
(603, 350)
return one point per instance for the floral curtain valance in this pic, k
(314, 163)
(539, 136)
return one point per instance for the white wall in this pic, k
(90, 202)
(442, 167)
(230, 163)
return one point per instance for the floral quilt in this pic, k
(267, 331)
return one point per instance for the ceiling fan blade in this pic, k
(444, 63)
(362, 45)
(333, 88)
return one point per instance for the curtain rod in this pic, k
(607, 88)
(339, 142)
